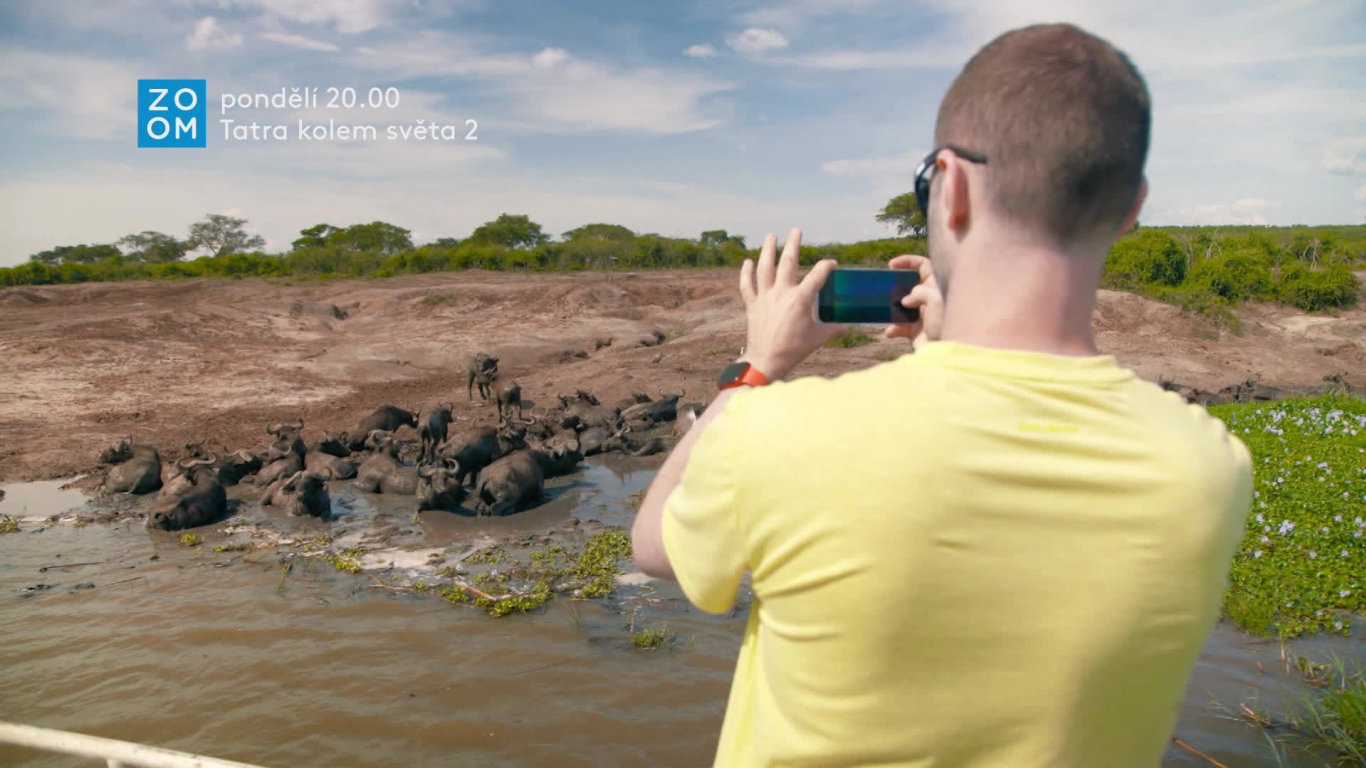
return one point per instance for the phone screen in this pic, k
(852, 295)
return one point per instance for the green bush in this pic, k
(1147, 257)
(1314, 290)
(1236, 276)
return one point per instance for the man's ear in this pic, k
(954, 194)
(1133, 212)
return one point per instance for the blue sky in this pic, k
(667, 117)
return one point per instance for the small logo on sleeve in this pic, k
(172, 113)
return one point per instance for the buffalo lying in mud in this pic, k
(386, 417)
(431, 430)
(330, 455)
(509, 484)
(137, 468)
(382, 471)
(483, 369)
(439, 488)
(301, 494)
(470, 451)
(193, 498)
(645, 415)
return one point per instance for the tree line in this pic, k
(1206, 269)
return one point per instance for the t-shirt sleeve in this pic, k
(702, 537)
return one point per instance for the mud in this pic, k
(170, 362)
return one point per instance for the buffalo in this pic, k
(382, 472)
(483, 369)
(191, 499)
(432, 431)
(137, 468)
(301, 494)
(439, 488)
(508, 396)
(509, 483)
(471, 451)
(386, 417)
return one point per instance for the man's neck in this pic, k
(1025, 297)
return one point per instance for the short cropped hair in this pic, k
(1064, 120)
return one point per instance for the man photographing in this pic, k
(1004, 549)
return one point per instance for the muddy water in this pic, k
(112, 630)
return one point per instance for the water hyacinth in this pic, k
(1308, 478)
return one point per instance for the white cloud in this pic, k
(795, 14)
(1360, 194)
(557, 92)
(297, 41)
(889, 175)
(756, 40)
(1345, 155)
(550, 58)
(346, 16)
(72, 95)
(701, 51)
(1245, 211)
(918, 58)
(209, 36)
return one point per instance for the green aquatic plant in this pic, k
(343, 564)
(1301, 565)
(488, 556)
(189, 540)
(353, 552)
(652, 638)
(245, 546)
(9, 524)
(598, 565)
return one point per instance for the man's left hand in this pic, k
(780, 311)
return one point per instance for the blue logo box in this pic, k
(172, 113)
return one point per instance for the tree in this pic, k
(510, 231)
(76, 254)
(599, 232)
(221, 235)
(446, 242)
(313, 237)
(905, 213)
(719, 237)
(152, 247)
(386, 239)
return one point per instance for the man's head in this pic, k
(1062, 119)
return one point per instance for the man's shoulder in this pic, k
(825, 394)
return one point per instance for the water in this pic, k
(112, 630)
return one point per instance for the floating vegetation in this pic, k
(240, 547)
(342, 563)
(190, 540)
(652, 638)
(9, 524)
(1301, 566)
(488, 556)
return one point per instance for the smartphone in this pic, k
(853, 295)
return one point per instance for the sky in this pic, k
(667, 117)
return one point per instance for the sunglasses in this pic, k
(925, 171)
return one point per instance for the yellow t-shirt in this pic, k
(963, 558)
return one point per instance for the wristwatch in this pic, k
(741, 374)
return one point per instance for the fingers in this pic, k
(921, 264)
(811, 284)
(920, 295)
(748, 291)
(787, 265)
(767, 262)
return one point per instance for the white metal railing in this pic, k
(115, 753)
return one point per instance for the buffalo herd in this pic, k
(484, 469)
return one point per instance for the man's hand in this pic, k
(926, 296)
(779, 311)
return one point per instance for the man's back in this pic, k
(965, 557)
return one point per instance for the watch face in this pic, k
(732, 373)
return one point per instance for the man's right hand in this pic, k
(926, 296)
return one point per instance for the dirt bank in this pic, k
(169, 362)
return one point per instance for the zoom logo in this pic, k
(171, 113)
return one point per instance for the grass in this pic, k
(1301, 566)
(342, 563)
(855, 337)
(190, 540)
(9, 524)
(1330, 722)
